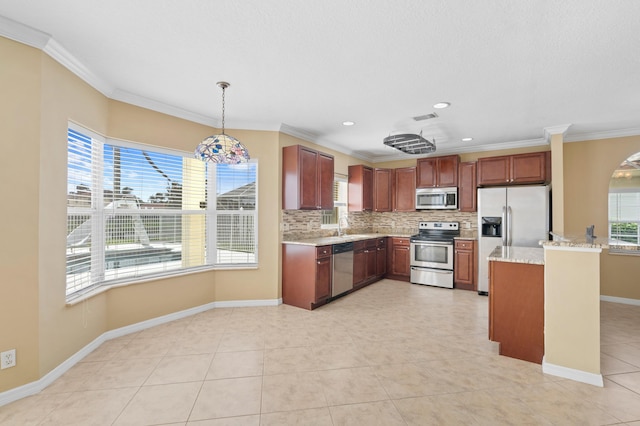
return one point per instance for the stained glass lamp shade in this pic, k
(222, 148)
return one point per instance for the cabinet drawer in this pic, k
(397, 241)
(464, 244)
(323, 251)
(381, 242)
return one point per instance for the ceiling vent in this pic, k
(410, 143)
(426, 117)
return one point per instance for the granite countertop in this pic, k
(581, 241)
(531, 255)
(323, 241)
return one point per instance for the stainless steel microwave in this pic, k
(437, 198)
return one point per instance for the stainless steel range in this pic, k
(432, 253)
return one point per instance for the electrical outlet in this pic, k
(7, 359)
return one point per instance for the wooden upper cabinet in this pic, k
(404, 189)
(325, 181)
(494, 170)
(437, 171)
(448, 170)
(530, 168)
(467, 187)
(382, 184)
(360, 188)
(307, 179)
(426, 172)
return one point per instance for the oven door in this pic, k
(431, 254)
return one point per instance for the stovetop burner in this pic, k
(437, 231)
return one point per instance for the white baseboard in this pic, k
(623, 300)
(33, 388)
(572, 374)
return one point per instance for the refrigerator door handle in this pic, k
(504, 226)
(509, 221)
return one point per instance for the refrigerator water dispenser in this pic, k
(491, 226)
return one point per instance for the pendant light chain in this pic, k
(223, 90)
(222, 148)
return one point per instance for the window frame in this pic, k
(335, 212)
(612, 223)
(99, 217)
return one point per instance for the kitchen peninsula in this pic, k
(516, 301)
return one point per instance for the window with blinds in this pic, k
(330, 217)
(135, 211)
(624, 215)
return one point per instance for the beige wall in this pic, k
(62, 330)
(588, 167)
(39, 98)
(19, 187)
(572, 309)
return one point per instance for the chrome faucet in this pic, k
(346, 221)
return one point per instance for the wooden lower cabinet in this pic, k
(381, 257)
(398, 266)
(365, 262)
(359, 263)
(516, 309)
(299, 287)
(465, 266)
(308, 290)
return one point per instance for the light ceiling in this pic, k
(509, 68)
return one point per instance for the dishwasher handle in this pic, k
(342, 247)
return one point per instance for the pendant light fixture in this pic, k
(222, 148)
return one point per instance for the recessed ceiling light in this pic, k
(441, 105)
(467, 139)
(348, 123)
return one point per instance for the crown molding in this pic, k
(21, 33)
(609, 134)
(27, 35)
(560, 129)
(313, 138)
(56, 51)
(32, 37)
(141, 101)
(299, 133)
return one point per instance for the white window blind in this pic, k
(624, 215)
(330, 217)
(136, 211)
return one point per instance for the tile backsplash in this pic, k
(307, 224)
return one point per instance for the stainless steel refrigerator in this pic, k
(509, 216)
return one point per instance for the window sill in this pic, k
(624, 252)
(78, 298)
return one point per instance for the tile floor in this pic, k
(391, 353)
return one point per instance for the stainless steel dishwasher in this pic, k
(342, 268)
